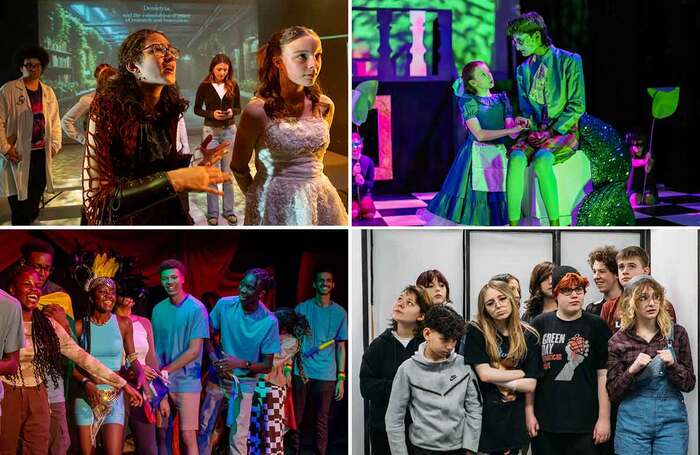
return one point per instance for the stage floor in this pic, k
(674, 209)
(63, 207)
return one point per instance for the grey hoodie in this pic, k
(444, 401)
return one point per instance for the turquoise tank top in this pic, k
(106, 343)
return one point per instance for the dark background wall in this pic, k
(627, 46)
(329, 18)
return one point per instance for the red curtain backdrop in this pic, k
(208, 256)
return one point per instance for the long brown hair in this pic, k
(535, 303)
(517, 348)
(229, 81)
(269, 87)
(120, 106)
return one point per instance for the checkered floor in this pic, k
(674, 209)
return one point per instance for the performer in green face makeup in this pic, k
(551, 95)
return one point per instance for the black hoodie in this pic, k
(379, 364)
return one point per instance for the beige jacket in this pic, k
(16, 122)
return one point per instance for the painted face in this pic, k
(437, 292)
(31, 68)
(301, 60)
(406, 309)
(570, 300)
(248, 289)
(630, 268)
(172, 281)
(648, 303)
(323, 283)
(603, 278)
(481, 78)
(497, 304)
(546, 286)
(26, 289)
(42, 263)
(220, 71)
(158, 63)
(357, 146)
(103, 298)
(636, 149)
(437, 344)
(526, 43)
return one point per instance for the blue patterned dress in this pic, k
(457, 201)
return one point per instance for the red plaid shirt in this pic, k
(625, 346)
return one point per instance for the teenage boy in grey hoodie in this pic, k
(440, 392)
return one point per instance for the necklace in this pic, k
(92, 320)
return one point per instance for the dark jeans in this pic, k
(322, 393)
(379, 442)
(24, 212)
(547, 443)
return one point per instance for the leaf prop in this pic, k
(363, 97)
(665, 101)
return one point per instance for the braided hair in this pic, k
(298, 326)
(47, 350)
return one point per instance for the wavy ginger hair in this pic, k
(517, 349)
(630, 304)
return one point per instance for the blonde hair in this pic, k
(630, 305)
(517, 349)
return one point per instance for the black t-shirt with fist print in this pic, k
(566, 400)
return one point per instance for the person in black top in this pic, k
(384, 356)
(570, 411)
(504, 353)
(132, 170)
(541, 300)
(218, 100)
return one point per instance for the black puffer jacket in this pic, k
(379, 364)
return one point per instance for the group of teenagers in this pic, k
(137, 166)
(178, 381)
(553, 376)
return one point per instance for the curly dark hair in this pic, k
(269, 89)
(534, 305)
(607, 255)
(445, 321)
(120, 105)
(530, 23)
(298, 326)
(264, 279)
(47, 350)
(36, 52)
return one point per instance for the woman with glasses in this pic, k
(649, 365)
(133, 172)
(504, 353)
(218, 100)
(569, 413)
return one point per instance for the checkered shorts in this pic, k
(267, 420)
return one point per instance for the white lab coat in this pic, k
(16, 123)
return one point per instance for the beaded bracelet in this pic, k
(341, 376)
